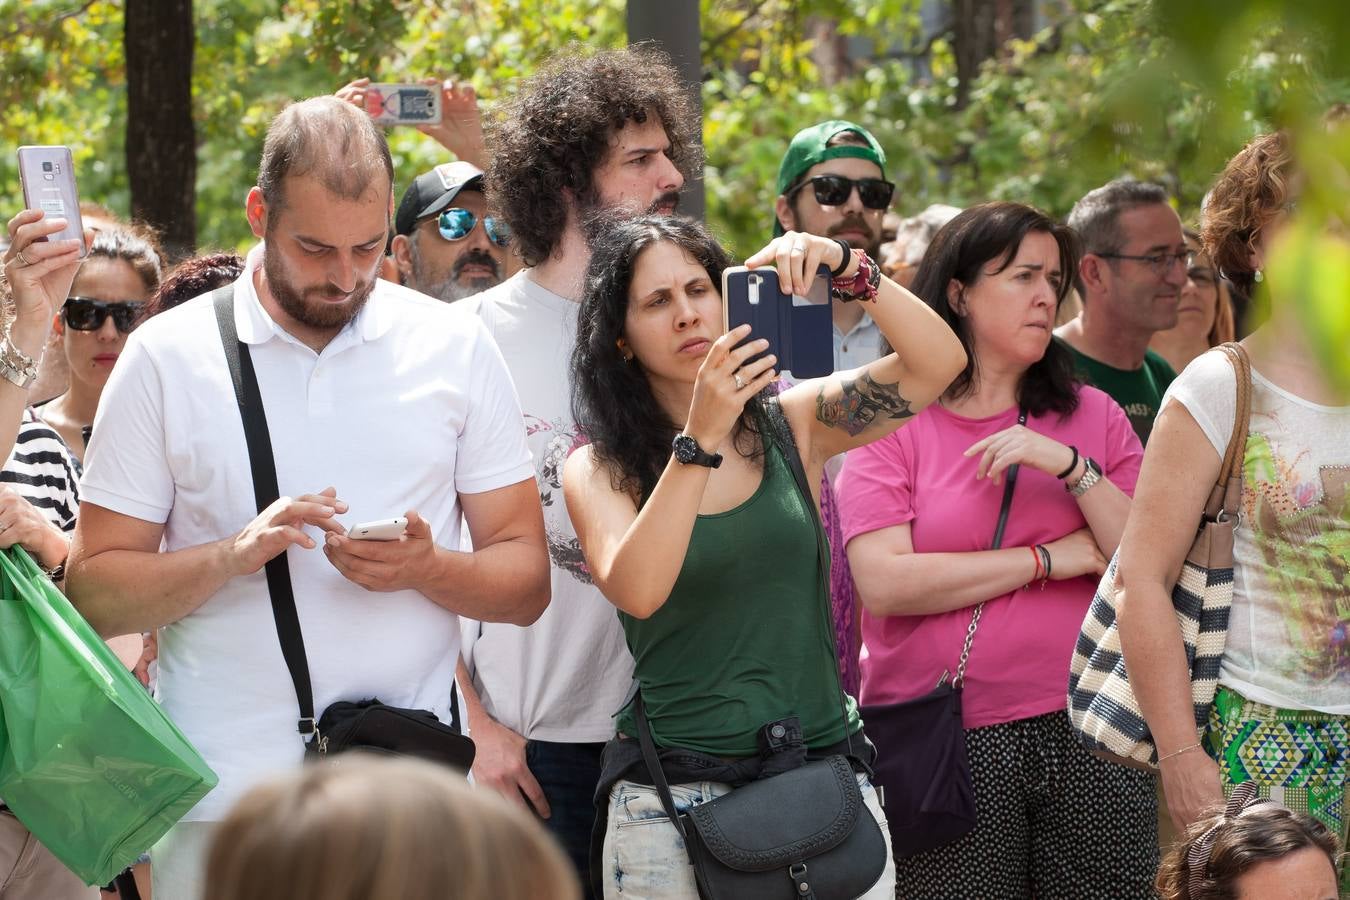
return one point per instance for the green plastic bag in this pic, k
(88, 761)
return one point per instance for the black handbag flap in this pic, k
(781, 820)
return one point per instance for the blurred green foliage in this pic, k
(1166, 91)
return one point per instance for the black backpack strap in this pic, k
(265, 493)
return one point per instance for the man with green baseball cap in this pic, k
(832, 182)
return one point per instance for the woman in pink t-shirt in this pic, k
(919, 510)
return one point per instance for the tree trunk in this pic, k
(161, 142)
(980, 29)
(675, 26)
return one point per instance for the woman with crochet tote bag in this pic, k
(1282, 706)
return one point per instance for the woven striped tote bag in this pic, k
(1102, 705)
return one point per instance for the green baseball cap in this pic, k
(810, 146)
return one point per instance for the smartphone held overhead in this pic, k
(799, 329)
(47, 176)
(404, 104)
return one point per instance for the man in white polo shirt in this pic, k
(379, 403)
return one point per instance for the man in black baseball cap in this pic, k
(445, 244)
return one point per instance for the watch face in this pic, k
(686, 448)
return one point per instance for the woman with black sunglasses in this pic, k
(107, 300)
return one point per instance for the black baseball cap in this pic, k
(431, 192)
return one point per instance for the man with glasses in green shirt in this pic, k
(1130, 279)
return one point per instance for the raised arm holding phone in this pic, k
(693, 525)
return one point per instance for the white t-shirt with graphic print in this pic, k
(564, 677)
(1287, 637)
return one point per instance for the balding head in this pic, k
(329, 140)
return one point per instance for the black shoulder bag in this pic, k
(804, 833)
(367, 725)
(921, 765)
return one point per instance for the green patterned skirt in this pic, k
(1296, 757)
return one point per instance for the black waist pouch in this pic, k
(373, 727)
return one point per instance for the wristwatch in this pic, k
(688, 451)
(1092, 473)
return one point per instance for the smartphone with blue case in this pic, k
(799, 329)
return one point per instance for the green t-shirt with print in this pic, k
(1138, 391)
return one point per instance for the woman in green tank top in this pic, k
(691, 522)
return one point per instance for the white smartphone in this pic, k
(379, 530)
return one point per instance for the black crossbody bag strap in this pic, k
(265, 493)
(662, 786)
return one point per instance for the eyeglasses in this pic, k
(456, 223)
(834, 190)
(85, 314)
(1160, 263)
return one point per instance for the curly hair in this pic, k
(556, 131)
(196, 276)
(960, 250)
(1252, 189)
(612, 399)
(1259, 834)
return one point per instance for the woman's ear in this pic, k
(956, 297)
(623, 350)
(58, 326)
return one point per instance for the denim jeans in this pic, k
(644, 857)
(568, 774)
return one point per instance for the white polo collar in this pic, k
(256, 326)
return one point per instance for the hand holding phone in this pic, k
(47, 176)
(799, 329)
(379, 530)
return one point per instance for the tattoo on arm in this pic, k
(860, 403)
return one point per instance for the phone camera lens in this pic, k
(46, 167)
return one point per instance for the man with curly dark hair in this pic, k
(591, 133)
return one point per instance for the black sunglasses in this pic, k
(85, 314)
(834, 190)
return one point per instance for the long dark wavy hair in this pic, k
(961, 249)
(612, 399)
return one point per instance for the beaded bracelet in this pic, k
(862, 285)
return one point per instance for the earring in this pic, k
(1258, 277)
(624, 351)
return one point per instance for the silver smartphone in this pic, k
(47, 175)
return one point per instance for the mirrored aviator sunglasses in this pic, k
(834, 190)
(456, 223)
(85, 314)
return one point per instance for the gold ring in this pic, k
(27, 262)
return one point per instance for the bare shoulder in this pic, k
(581, 468)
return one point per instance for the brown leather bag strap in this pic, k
(1242, 368)
(1226, 495)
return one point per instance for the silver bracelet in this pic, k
(16, 367)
